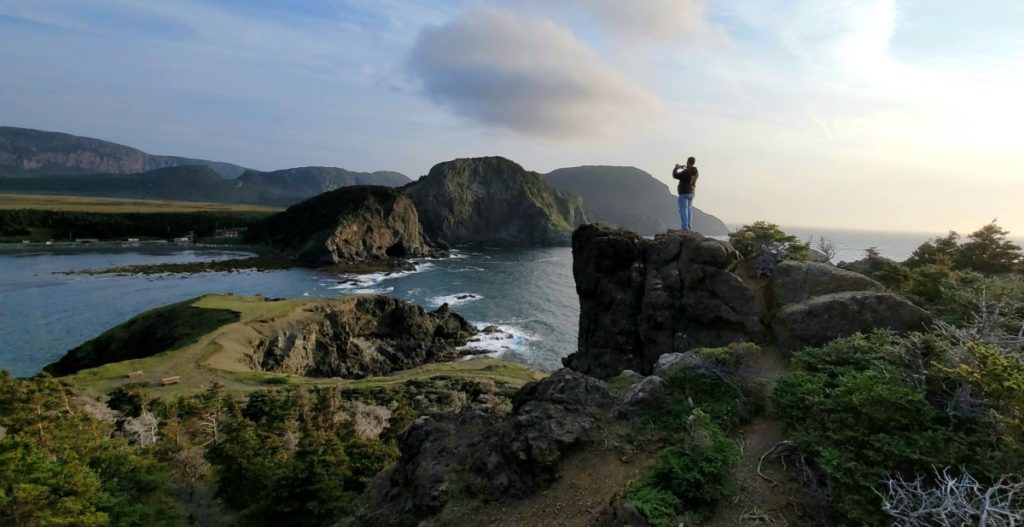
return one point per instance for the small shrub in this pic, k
(765, 244)
(696, 471)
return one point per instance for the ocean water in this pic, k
(529, 293)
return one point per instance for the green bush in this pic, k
(750, 239)
(696, 470)
(693, 471)
(870, 406)
(58, 466)
(987, 251)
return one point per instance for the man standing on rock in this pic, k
(687, 177)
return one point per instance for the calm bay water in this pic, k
(527, 292)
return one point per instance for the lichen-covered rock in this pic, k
(825, 318)
(640, 298)
(795, 282)
(351, 225)
(493, 200)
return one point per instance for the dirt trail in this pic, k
(760, 502)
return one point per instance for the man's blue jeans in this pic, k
(686, 210)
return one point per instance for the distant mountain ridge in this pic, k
(305, 182)
(631, 198)
(27, 152)
(58, 163)
(203, 183)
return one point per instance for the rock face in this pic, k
(486, 455)
(347, 226)
(27, 150)
(630, 198)
(799, 281)
(824, 318)
(493, 200)
(641, 299)
(357, 337)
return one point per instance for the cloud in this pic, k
(683, 20)
(526, 74)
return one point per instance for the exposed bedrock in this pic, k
(357, 337)
(489, 456)
(641, 298)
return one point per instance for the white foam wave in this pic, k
(507, 340)
(363, 282)
(454, 300)
(467, 269)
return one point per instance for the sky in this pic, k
(903, 115)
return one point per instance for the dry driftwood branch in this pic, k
(954, 501)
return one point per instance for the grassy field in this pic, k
(118, 205)
(212, 358)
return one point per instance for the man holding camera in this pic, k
(687, 177)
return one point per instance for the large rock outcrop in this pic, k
(493, 200)
(354, 337)
(630, 198)
(351, 225)
(642, 298)
(488, 456)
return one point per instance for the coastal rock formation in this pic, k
(630, 198)
(640, 298)
(350, 225)
(486, 455)
(355, 337)
(493, 200)
(351, 337)
(643, 298)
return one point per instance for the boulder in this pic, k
(351, 225)
(647, 391)
(641, 298)
(795, 282)
(824, 318)
(493, 200)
